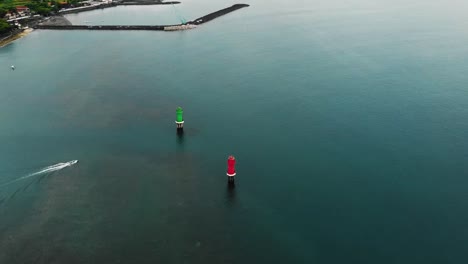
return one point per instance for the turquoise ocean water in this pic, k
(348, 121)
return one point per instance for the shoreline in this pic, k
(14, 37)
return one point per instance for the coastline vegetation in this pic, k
(40, 7)
(4, 27)
(36, 6)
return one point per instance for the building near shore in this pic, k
(23, 11)
(9, 16)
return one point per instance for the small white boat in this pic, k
(13, 67)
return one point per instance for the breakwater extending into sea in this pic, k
(109, 27)
(218, 13)
(197, 21)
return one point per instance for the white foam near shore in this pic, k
(45, 170)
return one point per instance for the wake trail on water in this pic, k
(48, 169)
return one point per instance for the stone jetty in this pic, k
(217, 14)
(197, 21)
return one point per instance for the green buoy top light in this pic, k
(179, 117)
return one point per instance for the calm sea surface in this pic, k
(348, 119)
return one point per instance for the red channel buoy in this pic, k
(231, 170)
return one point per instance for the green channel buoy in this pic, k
(180, 117)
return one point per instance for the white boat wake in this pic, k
(49, 169)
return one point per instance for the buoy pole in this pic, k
(231, 170)
(179, 119)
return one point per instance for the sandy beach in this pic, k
(15, 37)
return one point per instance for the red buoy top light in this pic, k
(231, 162)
